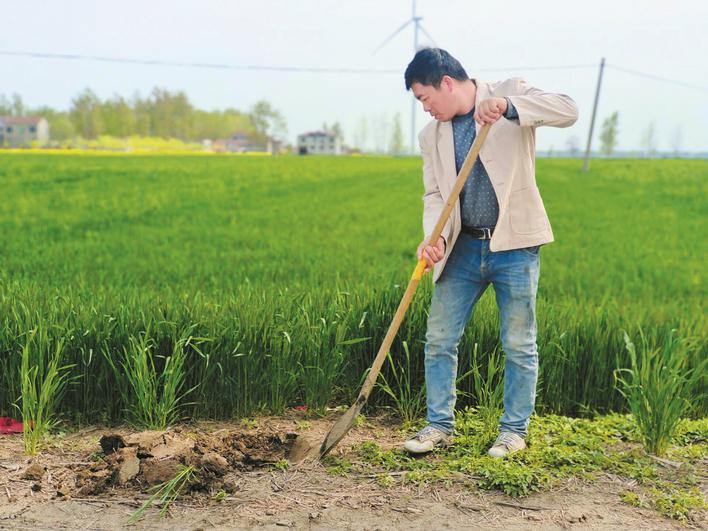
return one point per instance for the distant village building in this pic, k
(245, 142)
(319, 143)
(22, 131)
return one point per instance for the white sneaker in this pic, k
(507, 443)
(425, 440)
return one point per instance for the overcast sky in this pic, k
(667, 40)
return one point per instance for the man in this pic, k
(492, 237)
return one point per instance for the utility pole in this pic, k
(586, 162)
(416, 23)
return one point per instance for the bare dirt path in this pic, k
(254, 494)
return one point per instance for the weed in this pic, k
(677, 503)
(510, 476)
(44, 380)
(250, 424)
(301, 425)
(360, 420)
(656, 386)
(151, 397)
(408, 402)
(385, 481)
(372, 453)
(166, 492)
(281, 464)
(338, 466)
(633, 498)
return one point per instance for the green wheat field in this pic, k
(278, 276)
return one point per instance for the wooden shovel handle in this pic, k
(420, 266)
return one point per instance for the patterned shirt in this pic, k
(479, 207)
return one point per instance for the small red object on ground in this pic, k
(300, 408)
(10, 425)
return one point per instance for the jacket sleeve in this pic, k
(433, 202)
(536, 107)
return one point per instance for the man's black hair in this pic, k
(429, 66)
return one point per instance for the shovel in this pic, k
(346, 421)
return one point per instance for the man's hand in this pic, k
(490, 110)
(431, 253)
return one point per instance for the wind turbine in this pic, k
(417, 26)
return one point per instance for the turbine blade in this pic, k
(399, 30)
(420, 26)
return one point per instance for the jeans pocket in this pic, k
(534, 250)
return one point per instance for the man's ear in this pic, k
(446, 82)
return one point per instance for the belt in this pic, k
(480, 234)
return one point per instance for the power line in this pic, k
(320, 70)
(183, 64)
(656, 78)
(558, 67)
(227, 66)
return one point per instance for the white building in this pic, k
(21, 131)
(319, 143)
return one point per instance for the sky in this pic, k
(493, 41)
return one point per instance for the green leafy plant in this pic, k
(372, 453)
(633, 498)
(324, 356)
(488, 386)
(152, 398)
(249, 423)
(408, 401)
(677, 503)
(44, 381)
(385, 481)
(656, 386)
(281, 464)
(511, 477)
(339, 466)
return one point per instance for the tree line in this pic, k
(162, 113)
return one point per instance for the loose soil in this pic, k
(96, 477)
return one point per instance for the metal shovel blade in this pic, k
(342, 426)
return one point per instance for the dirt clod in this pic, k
(172, 445)
(214, 463)
(141, 460)
(155, 472)
(111, 443)
(93, 479)
(129, 467)
(145, 441)
(259, 449)
(34, 472)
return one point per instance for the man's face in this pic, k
(438, 102)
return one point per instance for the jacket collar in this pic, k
(483, 92)
(445, 137)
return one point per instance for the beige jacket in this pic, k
(508, 154)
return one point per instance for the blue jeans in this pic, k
(470, 268)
